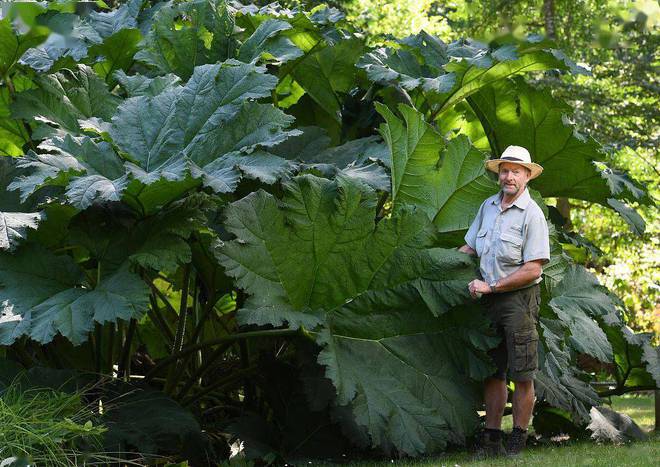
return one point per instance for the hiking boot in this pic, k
(489, 444)
(516, 442)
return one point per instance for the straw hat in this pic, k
(515, 155)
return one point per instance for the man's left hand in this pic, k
(477, 286)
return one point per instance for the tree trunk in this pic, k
(563, 205)
(549, 17)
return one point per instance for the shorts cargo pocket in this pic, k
(525, 350)
(534, 303)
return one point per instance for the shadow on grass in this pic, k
(567, 453)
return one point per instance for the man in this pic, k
(510, 236)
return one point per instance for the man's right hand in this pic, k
(467, 249)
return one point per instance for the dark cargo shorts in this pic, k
(515, 315)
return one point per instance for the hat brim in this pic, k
(494, 166)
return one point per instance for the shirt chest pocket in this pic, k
(510, 247)
(482, 242)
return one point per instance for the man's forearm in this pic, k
(527, 273)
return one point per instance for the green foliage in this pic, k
(270, 259)
(237, 189)
(616, 104)
(399, 19)
(47, 426)
(43, 294)
(448, 182)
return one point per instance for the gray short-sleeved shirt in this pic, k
(505, 240)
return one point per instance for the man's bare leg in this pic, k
(495, 395)
(523, 404)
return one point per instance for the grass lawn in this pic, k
(579, 453)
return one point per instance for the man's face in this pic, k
(513, 178)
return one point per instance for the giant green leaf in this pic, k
(266, 41)
(415, 147)
(13, 134)
(66, 97)
(560, 262)
(333, 223)
(651, 357)
(156, 241)
(14, 45)
(118, 29)
(140, 85)
(82, 192)
(557, 382)
(161, 241)
(184, 35)
(577, 300)
(105, 40)
(42, 294)
(329, 73)
(632, 218)
(115, 53)
(446, 180)
(69, 40)
(171, 49)
(326, 72)
(207, 130)
(446, 74)
(635, 358)
(10, 200)
(140, 128)
(478, 66)
(407, 378)
(464, 185)
(108, 23)
(402, 67)
(513, 113)
(287, 255)
(180, 118)
(14, 225)
(91, 170)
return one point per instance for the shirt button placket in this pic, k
(495, 236)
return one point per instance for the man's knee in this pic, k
(495, 380)
(524, 385)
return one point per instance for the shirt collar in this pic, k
(521, 202)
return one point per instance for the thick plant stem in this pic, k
(221, 384)
(181, 330)
(159, 321)
(98, 346)
(162, 297)
(220, 340)
(111, 348)
(208, 363)
(199, 326)
(124, 370)
(183, 311)
(248, 386)
(381, 205)
(195, 319)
